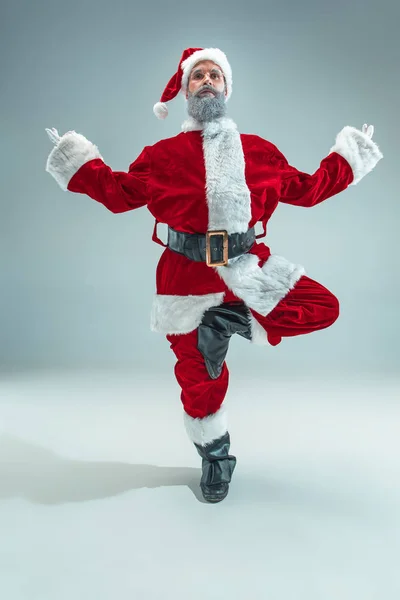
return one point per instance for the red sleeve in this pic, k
(116, 190)
(301, 189)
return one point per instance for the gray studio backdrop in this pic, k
(77, 281)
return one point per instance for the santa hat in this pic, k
(179, 81)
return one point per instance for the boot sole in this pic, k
(215, 499)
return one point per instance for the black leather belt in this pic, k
(213, 247)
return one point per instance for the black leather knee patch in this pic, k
(213, 345)
(218, 324)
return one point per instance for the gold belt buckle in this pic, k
(225, 248)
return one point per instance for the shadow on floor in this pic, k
(32, 472)
(41, 476)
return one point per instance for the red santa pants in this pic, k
(308, 307)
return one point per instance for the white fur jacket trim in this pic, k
(180, 314)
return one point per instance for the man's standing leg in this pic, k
(203, 376)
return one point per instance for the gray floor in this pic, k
(99, 491)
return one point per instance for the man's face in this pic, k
(206, 73)
(206, 92)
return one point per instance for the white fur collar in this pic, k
(213, 127)
(227, 193)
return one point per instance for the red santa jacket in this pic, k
(207, 178)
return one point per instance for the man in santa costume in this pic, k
(211, 185)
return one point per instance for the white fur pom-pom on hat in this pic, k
(160, 109)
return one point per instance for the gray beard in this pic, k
(207, 108)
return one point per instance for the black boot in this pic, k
(218, 466)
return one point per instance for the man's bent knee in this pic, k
(218, 325)
(334, 309)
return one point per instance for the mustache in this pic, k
(206, 88)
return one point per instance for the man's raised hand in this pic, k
(53, 135)
(368, 130)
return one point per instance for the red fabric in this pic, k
(174, 85)
(116, 190)
(308, 307)
(169, 178)
(200, 394)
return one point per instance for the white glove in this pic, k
(368, 130)
(53, 135)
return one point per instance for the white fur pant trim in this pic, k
(261, 288)
(204, 431)
(258, 334)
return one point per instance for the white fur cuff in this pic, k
(67, 157)
(203, 431)
(359, 150)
